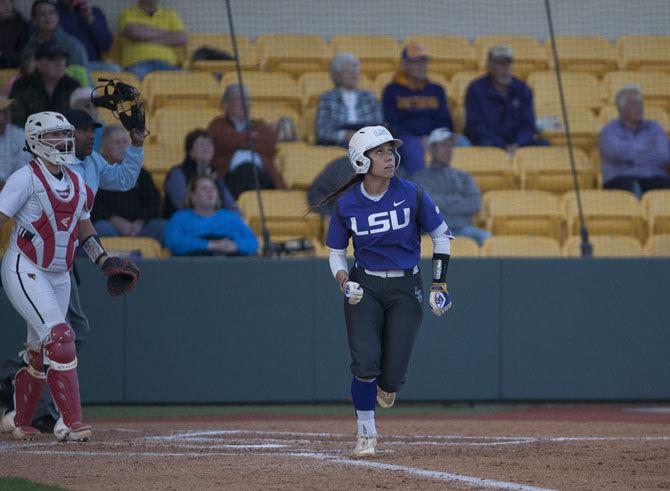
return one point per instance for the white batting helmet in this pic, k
(38, 125)
(366, 139)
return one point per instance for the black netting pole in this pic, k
(586, 247)
(267, 245)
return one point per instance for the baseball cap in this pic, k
(50, 50)
(501, 54)
(414, 51)
(81, 120)
(438, 135)
(6, 102)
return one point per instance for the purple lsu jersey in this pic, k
(386, 233)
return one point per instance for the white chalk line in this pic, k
(189, 439)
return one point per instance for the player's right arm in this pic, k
(15, 193)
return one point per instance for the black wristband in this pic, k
(440, 264)
(93, 248)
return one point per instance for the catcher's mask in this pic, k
(123, 100)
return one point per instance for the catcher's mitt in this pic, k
(122, 274)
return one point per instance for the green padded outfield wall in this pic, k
(211, 330)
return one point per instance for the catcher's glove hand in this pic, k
(439, 298)
(122, 274)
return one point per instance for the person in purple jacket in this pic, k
(499, 107)
(414, 106)
(635, 152)
(206, 229)
(89, 25)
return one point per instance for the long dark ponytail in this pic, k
(332, 196)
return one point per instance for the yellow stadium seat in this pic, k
(158, 159)
(529, 55)
(464, 247)
(448, 54)
(458, 117)
(307, 126)
(6, 74)
(245, 48)
(520, 246)
(125, 77)
(490, 166)
(5, 234)
(385, 78)
(523, 213)
(268, 88)
(294, 54)
(579, 89)
(459, 85)
(300, 164)
(656, 205)
(271, 113)
(658, 245)
(606, 212)
(548, 168)
(284, 213)
(191, 89)
(645, 52)
(605, 246)
(590, 54)
(170, 125)
(654, 86)
(377, 53)
(583, 126)
(147, 247)
(312, 85)
(655, 113)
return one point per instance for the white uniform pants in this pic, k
(41, 297)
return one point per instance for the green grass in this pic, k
(131, 412)
(18, 484)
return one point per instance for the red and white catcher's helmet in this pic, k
(55, 150)
(366, 139)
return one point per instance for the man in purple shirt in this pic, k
(635, 152)
(89, 25)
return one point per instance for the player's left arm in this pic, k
(432, 220)
(122, 273)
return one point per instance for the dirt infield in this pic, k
(567, 447)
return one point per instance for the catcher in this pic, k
(51, 205)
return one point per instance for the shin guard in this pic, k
(28, 387)
(62, 376)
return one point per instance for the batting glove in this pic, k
(352, 291)
(439, 298)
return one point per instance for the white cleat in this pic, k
(365, 447)
(25, 432)
(385, 399)
(7, 422)
(79, 432)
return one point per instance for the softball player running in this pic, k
(51, 206)
(384, 216)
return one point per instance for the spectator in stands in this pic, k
(150, 35)
(455, 192)
(233, 159)
(206, 229)
(47, 89)
(89, 25)
(13, 35)
(45, 20)
(635, 152)
(12, 140)
(499, 107)
(414, 106)
(81, 99)
(346, 108)
(199, 149)
(132, 213)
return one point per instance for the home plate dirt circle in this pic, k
(307, 453)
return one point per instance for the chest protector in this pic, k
(49, 241)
